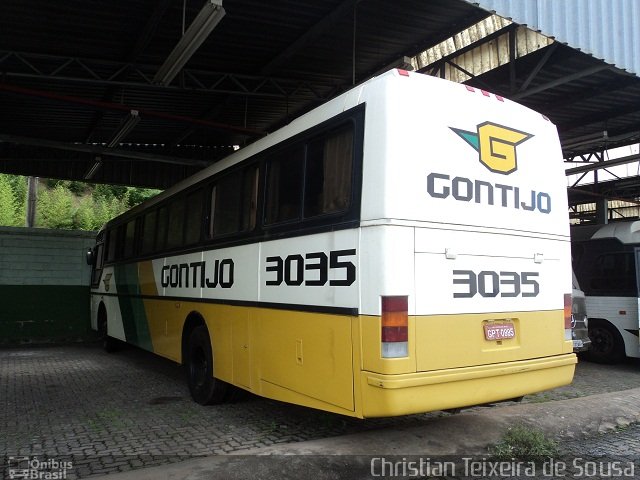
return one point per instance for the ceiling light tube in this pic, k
(198, 31)
(92, 171)
(125, 128)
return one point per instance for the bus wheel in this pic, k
(607, 345)
(204, 388)
(109, 344)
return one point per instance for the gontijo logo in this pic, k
(496, 145)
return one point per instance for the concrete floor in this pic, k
(117, 412)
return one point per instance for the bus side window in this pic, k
(250, 198)
(116, 243)
(148, 232)
(161, 231)
(96, 271)
(129, 239)
(614, 273)
(194, 217)
(111, 245)
(234, 202)
(328, 173)
(176, 223)
(284, 185)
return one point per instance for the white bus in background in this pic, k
(606, 260)
(402, 248)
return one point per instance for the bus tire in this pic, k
(109, 344)
(204, 388)
(607, 345)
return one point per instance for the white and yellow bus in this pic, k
(402, 248)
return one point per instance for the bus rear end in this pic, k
(464, 250)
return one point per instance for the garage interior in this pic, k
(148, 92)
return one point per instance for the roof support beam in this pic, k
(143, 40)
(560, 81)
(346, 7)
(606, 164)
(547, 55)
(602, 116)
(99, 105)
(98, 150)
(120, 74)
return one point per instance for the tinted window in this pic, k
(194, 217)
(328, 173)
(614, 272)
(129, 239)
(161, 233)
(234, 201)
(111, 245)
(284, 186)
(148, 232)
(97, 268)
(176, 223)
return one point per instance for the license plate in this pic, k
(499, 331)
(577, 344)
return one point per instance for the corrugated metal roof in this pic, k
(484, 57)
(606, 29)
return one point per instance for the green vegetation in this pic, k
(67, 204)
(524, 443)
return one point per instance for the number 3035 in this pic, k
(492, 284)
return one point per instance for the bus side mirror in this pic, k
(91, 258)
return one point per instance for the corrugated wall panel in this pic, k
(607, 29)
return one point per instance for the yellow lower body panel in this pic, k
(334, 363)
(389, 395)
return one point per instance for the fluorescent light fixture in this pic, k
(125, 128)
(92, 171)
(198, 31)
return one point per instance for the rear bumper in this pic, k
(389, 395)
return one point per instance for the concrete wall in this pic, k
(44, 285)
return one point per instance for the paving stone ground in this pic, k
(106, 413)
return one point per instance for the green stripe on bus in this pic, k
(134, 317)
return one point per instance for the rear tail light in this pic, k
(395, 326)
(567, 316)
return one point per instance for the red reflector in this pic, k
(500, 98)
(485, 93)
(395, 304)
(471, 89)
(567, 310)
(404, 73)
(395, 334)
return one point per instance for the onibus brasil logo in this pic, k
(496, 145)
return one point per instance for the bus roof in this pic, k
(626, 232)
(324, 112)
